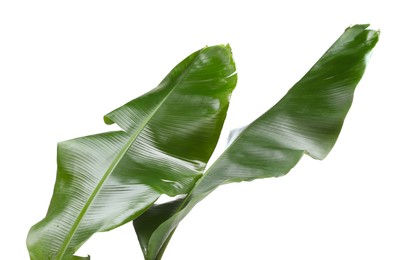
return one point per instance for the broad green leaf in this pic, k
(308, 119)
(108, 179)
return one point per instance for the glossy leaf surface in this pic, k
(308, 119)
(108, 179)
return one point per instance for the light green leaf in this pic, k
(308, 119)
(108, 179)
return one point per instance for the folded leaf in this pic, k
(308, 119)
(108, 179)
(147, 223)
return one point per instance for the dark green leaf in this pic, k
(108, 179)
(308, 119)
(150, 220)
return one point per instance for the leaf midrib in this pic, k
(116, 161)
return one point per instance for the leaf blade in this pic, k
(105, 180)
(308, 120)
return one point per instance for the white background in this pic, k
(64, 64)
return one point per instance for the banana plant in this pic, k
(108, 179)
(307, 120)
(168, 136)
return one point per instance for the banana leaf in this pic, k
(108, 179)
(307, 120)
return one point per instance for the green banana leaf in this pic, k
(108, 179)
(307, 120)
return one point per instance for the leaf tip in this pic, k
(358, 26)
(107, 120)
